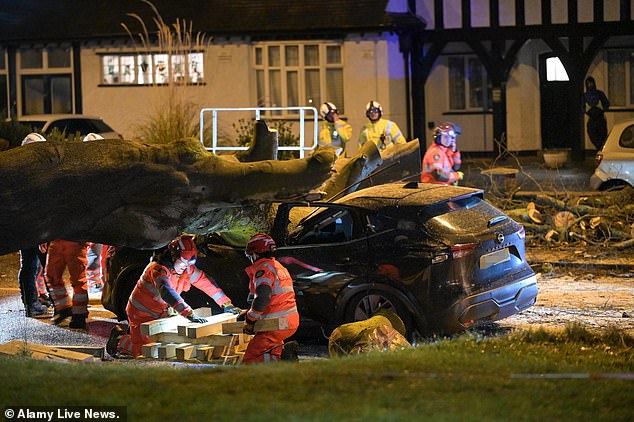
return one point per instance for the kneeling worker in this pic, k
(170, 272)
(442, 159)
(271, 295)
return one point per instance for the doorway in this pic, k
(555, 91)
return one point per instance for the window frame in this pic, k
(262, 71)
(487, 103)
(186, 58)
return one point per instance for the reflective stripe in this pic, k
(151, 287)
(217, 296)
(282, 313)
(387, 130)
(142, 308)
(194, 275)
(253, 314)
(280, 290)
(263, 280)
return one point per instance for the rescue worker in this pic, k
(157, 294)
(442, 159)
(271, 295)
(63, 254)
(30, 260)
(334, 132)
(382, 132)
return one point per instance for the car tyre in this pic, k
(366, 304)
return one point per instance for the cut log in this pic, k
(270, 324)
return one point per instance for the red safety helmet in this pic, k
(185, 248)
(259, 244)
(446, 128)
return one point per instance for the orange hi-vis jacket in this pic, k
(440, 165)
(270, 272)
(159, 288)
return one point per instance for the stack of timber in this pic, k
(219, 340)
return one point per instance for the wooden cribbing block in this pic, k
(182, 329)
(205, 353)
(166, 351)
(269, 324)
(162, 325)
(185, 352)
(150, 350)
(212, 326)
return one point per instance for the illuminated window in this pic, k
(298, 74)
(147, 69)
(469, 88)
(555, 70)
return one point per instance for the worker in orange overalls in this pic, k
(157, 294)
(62, 254)
(271, 295)
(442, 159)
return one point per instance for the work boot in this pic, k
(113, 340)
(44, 300)
(36, 309)
(290, 351)
(61, 315)
(78, 321)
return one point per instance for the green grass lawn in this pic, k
(466, 378)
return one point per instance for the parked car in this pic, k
(440, 256)
(615, 161)
(70, 124)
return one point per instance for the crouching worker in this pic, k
(157, 294)
(271, 295)
(442, 159)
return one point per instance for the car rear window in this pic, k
(465, 215)
(627, 137)
(35, 125)
(100, 126)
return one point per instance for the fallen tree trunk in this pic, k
(128, 193)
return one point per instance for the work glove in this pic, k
(249, 326)
(229, 307)
(196, 319)
(171, 312)
(460, 175)
(242, 315)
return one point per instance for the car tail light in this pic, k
(522, 232)
(598, 158)
(463, 249)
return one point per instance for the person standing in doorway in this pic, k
(596, 105)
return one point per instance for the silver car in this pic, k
(70, 124)
(616, 159)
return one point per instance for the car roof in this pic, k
(405, 194)
(50, 117)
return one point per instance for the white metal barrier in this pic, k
(257, 114)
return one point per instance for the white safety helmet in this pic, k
(326, 108)
(33, 137)
(92, 137)
(371, 106)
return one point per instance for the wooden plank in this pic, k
(38, 351)
(269, 324)
(150, 350)
(212, 340)
(182, 329)
(212, 326)
(162, 325)
(185, 352)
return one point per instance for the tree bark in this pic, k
(128, 193)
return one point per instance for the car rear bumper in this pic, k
(597, 178)
(498, 303)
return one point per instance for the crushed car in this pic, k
(441, 257)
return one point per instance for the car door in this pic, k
(324, 253)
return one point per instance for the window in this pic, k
(555, 70)
(146, 69)
(627, 137)
(620, 78)
(298, 74)
(45, 76)
(469, 87)
(329, 226)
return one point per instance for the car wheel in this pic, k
(613, 185)
(366, 304)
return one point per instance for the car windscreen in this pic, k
(35, 125)
(467, 215)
